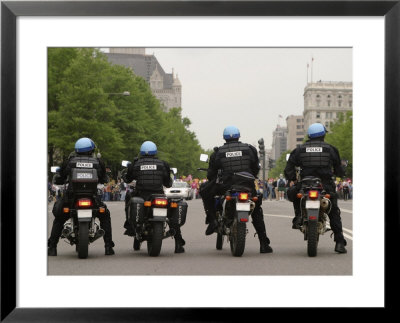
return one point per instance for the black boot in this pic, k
(296, 222)
(52, 251)
(212, 227)
(109, 251)
(109, 248)
(264, 243)
(339, 247)
(179, 243)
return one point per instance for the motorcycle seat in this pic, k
(157, 195)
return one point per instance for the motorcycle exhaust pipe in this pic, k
(99, 233)
(169, 233)
(66, 232)
(325, 203)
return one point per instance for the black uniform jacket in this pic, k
(315, 158)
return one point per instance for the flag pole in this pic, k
(312, 63)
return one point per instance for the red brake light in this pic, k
(313, 194)
(243, 196)
(160, 202)
(84, 203)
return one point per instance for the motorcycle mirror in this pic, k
(203, 157)
(287, 157)
(125, 163)
(55, 169)
(174, 170)
(345, 162)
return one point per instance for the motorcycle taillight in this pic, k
(160, 202)
(313, 195)
(243, 197)
(84, 203)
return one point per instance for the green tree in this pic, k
(84, 109)
(279, 166)
(341, 136)
(58, 60)
(85, 100)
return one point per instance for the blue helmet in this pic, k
(84, 145)
(316, 130)
(231, 132)
(148, 148)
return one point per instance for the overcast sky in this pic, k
(248, 87)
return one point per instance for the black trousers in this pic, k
(60, 218)
(209, 189)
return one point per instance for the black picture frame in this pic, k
(10, 10)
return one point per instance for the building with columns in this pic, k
(295, 131)
(324, 101)
(166, 87)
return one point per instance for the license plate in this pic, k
(312, 204)
(243, 206)
(84, 214)
(84, 175)
(159, 212)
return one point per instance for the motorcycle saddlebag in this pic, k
(136, 210)
(182, 210)
(84, 180)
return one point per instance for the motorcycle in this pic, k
(83, 226)
(233, 210)
(315, 205)
(149, 217)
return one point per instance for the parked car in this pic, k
(179, 189)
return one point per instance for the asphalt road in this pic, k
(202, 258)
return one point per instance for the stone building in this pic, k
(295, 131)
(166, 87)
(323, 101)
(279, 142)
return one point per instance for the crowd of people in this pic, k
(276, 188)
(273, 189)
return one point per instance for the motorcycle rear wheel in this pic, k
(83, 240)
(237, 238)
(155, 241)
(312, 238)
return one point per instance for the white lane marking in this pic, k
(288, 216)
(345, 210)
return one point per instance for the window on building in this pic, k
(350, 104)
(326, 124)
(299, 139)
(339, 104)
(329, 103)
(318, 114)
(298, 126)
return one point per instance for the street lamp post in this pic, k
(125, 93)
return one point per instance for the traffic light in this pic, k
(271, 163)
(261, 146)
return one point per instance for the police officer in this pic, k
(323, 163)
(245, 159)
(84, 148)
(150, 181)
